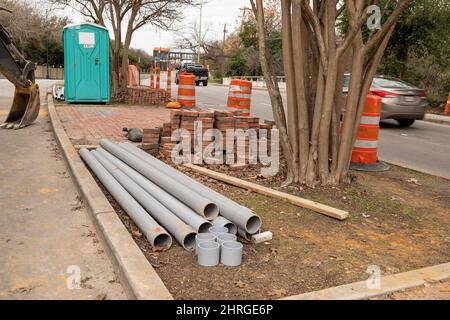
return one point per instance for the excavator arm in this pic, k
(21, 73)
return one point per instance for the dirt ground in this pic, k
(399, 221)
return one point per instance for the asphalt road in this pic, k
(423, 147)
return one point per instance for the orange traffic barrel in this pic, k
(240, 96)
(186, 90)
(158, 77)
(152, 76)
(447, 107)
(366, 146)
(365, 151)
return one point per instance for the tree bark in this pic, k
(288, 58)
(302, 105)
(274, 91)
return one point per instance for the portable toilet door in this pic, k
(86, 63)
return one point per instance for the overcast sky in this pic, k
(215, 14)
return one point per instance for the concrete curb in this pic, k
(137, 276)
(389, 284)
(429, 117)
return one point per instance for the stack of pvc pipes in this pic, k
(218, 246)
(161, 200)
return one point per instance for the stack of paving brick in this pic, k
(167, 145)
(222, 120)
(187, 123)
(207, 120)
(146, 96)
(151, 140)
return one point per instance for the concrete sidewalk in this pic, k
(47, 242)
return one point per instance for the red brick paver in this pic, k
(87, 125)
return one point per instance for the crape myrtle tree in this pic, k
(124, 18)
(316, 146)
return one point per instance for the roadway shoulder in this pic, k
(437, 118)
(137, 276)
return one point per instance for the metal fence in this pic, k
(53, 73)
(257, 81)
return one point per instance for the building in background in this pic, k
(161, 57)
(164, 56)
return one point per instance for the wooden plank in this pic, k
(301, 202)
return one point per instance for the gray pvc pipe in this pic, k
(203, 237)
(208, 254)
(222, 222)
(225, 237)
(184, 234)
(156, 235)
(244, 234)
(243, 217)
(202, 205)
(182, 211)
(231, 255)
(218, 230)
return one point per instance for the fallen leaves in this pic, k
(278, 293)
(241, 285)
(137, 234)
(414, 181)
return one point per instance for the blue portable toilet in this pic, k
(86, 63)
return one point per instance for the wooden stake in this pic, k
(304, 203)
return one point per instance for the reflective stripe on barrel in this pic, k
(239, 96)
(365, 150)
(186, 90)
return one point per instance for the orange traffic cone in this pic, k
(447, 107)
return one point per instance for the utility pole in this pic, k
(46, 43)
(200, 33)
(223, 51)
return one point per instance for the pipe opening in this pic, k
(211, 211)
(231, 228)
(209, 246)
(253, 224)
(189, 242)
(233, 245)
(204, 228)
(162, 242)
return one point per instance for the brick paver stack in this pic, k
(222, 120)
(143, 95)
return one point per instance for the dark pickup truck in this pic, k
(200, 72)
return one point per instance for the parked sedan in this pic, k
(402, 101)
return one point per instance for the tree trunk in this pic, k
(300, 89)
(329, 94)
(288, 58)
(274, 92)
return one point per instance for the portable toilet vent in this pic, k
(86, 63)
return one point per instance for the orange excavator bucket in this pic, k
(20, 72)
(25, 108)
